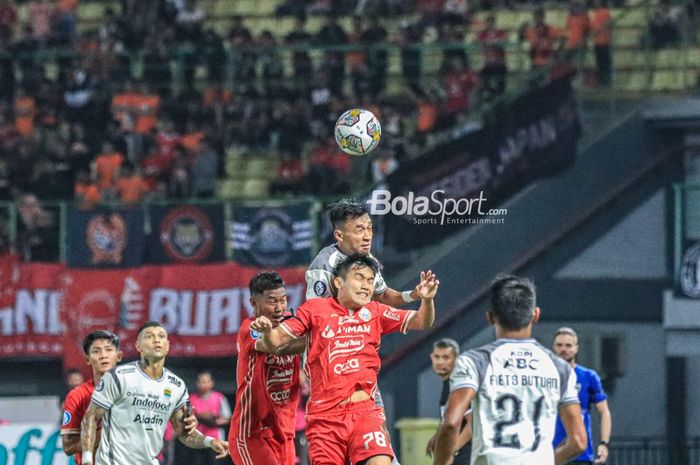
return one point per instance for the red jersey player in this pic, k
(343, 335)
(102, 353)
(263, 423)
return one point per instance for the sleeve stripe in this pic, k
(464, 385)
(288, 331)
(409, 317)
(100, 404)
(569, 402)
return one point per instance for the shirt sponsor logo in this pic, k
(365, 315)
(344, 320)
(281, 396)
(151, 404)
(66, 417)
(392, 315)
(362, 329)
(145, 420)
(279, 376)
(345, 346)
(320, 288)
(328, 332)
(349, 366)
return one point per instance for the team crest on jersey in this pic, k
(66, 417)
(365, 315)
(320, 288)
(100, 386)
(167, 392)
(255, 334)
(328, 332)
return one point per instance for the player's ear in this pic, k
(536, 315)
(120, 354)
(337, 281)
(338, 235)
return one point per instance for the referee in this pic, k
(443, 357)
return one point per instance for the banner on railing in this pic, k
(49, 309)
(459, 183)
(272, 236)
(185, 234)
(106, 238)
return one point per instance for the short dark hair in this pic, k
(446, 343)
(265, 281)
(513, 301)
(100, 334)
(206, 372)
(149, 324)
(343, 210)
(355, 260)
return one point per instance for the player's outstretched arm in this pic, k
(88, 431)
(427, 289)
(271, 339)
(195, 439)
(576, 436)
(446, 445)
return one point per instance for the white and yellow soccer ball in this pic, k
(357, 132)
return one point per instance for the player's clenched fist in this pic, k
(261, 324)
(428, 286)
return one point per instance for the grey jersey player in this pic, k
(352, 229)
(515, 387)
(135, 402)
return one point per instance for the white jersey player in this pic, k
(135, 401)
(352, 229)
(516, 388)
(138, 410)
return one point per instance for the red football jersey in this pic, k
(268, 390)
(74, 408)
(343, 347)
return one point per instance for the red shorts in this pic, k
(262, 451)
(349, 433)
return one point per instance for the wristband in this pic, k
(604, 443)
(406, 296)
(86, 457)
(208, 440)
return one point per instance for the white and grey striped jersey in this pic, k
(319, 275)
(138, 410)
(519, 387)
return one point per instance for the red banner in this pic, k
(30, 322)
(49, 309)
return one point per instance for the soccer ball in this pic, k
(357, 132)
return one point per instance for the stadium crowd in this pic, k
(75, 123)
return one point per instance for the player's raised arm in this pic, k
(427, 289)
(195, 439)
(576, 436)
(271, 338)
(88, 431)
(447, 436)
